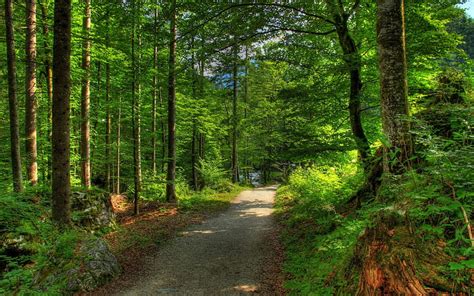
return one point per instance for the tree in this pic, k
(12, 99)
(155, 90)
(30, 90)
(393, 78)
(171, 174)
(85, 102)
(61, 184)
(235, 116)
(136, 120)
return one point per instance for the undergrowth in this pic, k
(433, 201)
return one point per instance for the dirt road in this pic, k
(231, 254)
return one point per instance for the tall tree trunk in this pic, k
(48, 73)
(393, 80)
(246, 97)
(117, 159)
(155, 92)
(30, 90)
(136, 109)
(108, 119)
(353, 63)
(61, 185)
(194, 156)
(171, 175)
(163, 132)
(201, 135)
(235, 120)
(85, 102)
(12, 99)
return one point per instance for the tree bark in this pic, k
(235, 120)
(171, 174)
(12, 99)
(393, 81)
(30, 90)
(61, 186)
(85, 102)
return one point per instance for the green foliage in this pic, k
(318, 240)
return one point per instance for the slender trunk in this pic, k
(201, 135)
(61, 185)
(171, 175)
(235, 120)
(49, 74)
(155, 94)
(136, 110)
(117, 159)
(246, 97)
(194, 162)
(163, 132)
(108, 120)
(353, 64)
(393, 81)
(12, 99)
(30, 90)
(85, 102)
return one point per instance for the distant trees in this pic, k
(281, 107)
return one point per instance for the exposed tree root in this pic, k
(393, 261)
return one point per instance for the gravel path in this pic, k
(225, 255)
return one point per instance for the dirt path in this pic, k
(231, 254)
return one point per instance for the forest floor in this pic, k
(233, 253)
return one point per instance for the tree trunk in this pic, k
(393, 81)
(12, 99)
(235, 120)
(117, 159)
(155, 93)
(61, 186)
(171, 175)
(85, 102)
(201, 135)
(136, 111)
(163, 132)
(30, 90)
(108, 120)
(48, 73)
(194, 156)
(353, 63)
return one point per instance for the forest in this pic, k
(152, 147)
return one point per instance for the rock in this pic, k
(98, 265)
(92, 210)
(93, 265)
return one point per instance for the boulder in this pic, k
(92, 266)
(92, 210)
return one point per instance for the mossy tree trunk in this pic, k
(393, 82)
